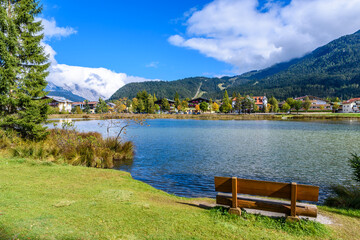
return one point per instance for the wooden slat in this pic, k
(269, 205)
(267, 189)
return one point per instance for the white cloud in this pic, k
(51, 30)
(152, 65)
(236, 32)
(89, 83)
(102, 80)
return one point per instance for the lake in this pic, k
(182, 157)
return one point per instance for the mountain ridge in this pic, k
(328, 71)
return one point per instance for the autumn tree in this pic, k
(134, 104)
(285, 107)
(197, 108)
(274, 104)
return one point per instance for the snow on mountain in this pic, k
(89, 83)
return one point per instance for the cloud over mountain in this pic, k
(249, 36)
(90, 83)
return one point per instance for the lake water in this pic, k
(183, 156)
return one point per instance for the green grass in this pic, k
(40, 200)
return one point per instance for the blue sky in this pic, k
(129, 36)
(104, 45)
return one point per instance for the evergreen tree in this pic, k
(87, 107)
(226, 106)
(177, 100)
(141, 106)
(237, 105)
(165, 106)
(150, 104)
(307, 103)
(234, 95)
(23, 69)
(154, 98)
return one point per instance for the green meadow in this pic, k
(43, 200)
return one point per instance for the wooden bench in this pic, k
(289, 191)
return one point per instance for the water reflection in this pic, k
(183, 156)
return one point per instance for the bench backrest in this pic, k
(267, 189)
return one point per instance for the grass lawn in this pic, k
(40, 200)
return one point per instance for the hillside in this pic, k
(331, 70)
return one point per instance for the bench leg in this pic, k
(236, 211)
(292, 219)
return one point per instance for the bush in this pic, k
(86, 149)
(347, 197)
(355, 165)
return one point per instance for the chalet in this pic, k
(62, 103)
(351, 106)
(197, 101)
(92, 105)
(260, 101)
(316, 102)
(171, 103)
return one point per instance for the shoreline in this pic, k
(207, 116)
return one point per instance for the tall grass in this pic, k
(70, 146)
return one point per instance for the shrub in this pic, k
(345, 197)
(86, 149)
(355, 165)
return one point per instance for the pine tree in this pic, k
(87, 107)
(23, 69)
(226, 106)
(177, 100)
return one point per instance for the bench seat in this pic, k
(271, 205)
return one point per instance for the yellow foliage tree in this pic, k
(197, 108)
(215, 107)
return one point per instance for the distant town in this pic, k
(147, 103)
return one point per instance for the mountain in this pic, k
(61, 92)
(329, 71)
(85, 93)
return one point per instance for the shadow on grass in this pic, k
(6, 234)
(302, 228)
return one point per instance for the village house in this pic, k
(171, 103)
(351, 106)
(260, 102)
(316, 102)
(196, 101)
(63, 104)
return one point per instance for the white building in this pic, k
(62, 103)
(351, 106)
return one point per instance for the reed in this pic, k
(70, 146)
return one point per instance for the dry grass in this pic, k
(69, 146)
